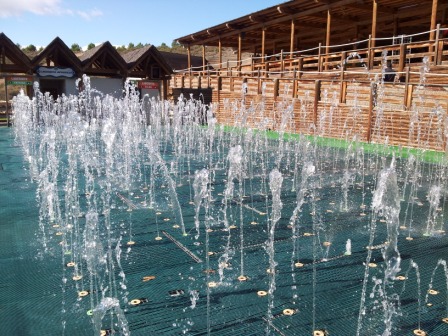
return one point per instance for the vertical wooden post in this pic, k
(408, 91)
(370, 54)
(409, 94)
(371, 107)
(319, 58)
(189, 57)
(282, 63)
(343, 86)
(294, 84)
(316, 102)
(291, 42)
(189, 64)
(327, 38)
(374, 17)
(251, 65)
(240, 42)
(432, 28)
(220, 53)
(203, 59)
(266, 68)
(395, 29)
(402, 60)
(433, 19)
(300, 66)
(263, 43)
(436, 46)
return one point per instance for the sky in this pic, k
(120, 22)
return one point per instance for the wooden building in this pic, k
(326, 59)
(57, 69)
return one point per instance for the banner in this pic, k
(55, 72)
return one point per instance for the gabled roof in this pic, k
(59, 54)
(12, 59)
(180, 61)
(103, 60)
(139, 61)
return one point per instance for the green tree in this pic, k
(138, 46)
(163, 47)
(30, 48)
(75, 47)
(91, 46)
(121, 48)
(131, 46)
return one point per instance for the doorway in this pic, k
(56, 87)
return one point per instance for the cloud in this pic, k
(43, 7)
(89, 14)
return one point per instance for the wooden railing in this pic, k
(359, 55)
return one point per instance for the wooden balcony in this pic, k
(338, 94)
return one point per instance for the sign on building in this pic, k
(148, 85)
(43, 71)
(19, 80)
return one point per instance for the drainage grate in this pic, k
(182, 247)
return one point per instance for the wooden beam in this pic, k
(433, 19)
(256, 18)
(231, 26)
(396, 24)
(291, 43)
(220, 53)
(285, 10)
(240, 42)
(203, 58)
(189, 56)
(374, 16)
(263, 43)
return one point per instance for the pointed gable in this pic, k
(12, 59)
(103, 60)
(57, 54)
(141, 62)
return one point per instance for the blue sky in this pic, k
(38, 22)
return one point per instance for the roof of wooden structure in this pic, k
(57, 53)
(12, 59)
(140, 61)
(180, 61)
(103, 60)
(350, 20)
